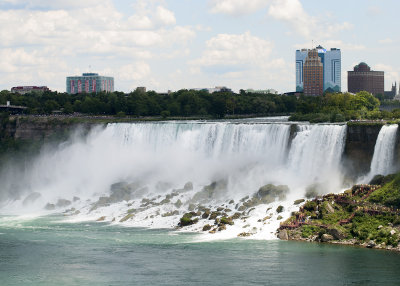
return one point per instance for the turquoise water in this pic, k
(47, 251)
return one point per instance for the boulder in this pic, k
(299, 201)
(186, 220)
(207, 227)
(214, 215)
(178, 203)
(279, 209)
(326, 237)
(188, 186)
(206, 213)
(101, 218)
(125, 218)
(244, 234)
(213, 190)
(63, 203)
(283, 234)
(236, 215)
(226, 220)
(50, 207)
(371, 244)
(337, 234)
(222, 227)
(270, 193)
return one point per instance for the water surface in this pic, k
(47, 251)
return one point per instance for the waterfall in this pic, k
(163, 156)
(382, 161)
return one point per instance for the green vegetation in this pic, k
(389, 194)
(338, 107)
(368, 215)
(332, 107)
(183, 103)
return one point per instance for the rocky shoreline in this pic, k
(365, 215)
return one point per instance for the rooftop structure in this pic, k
(27, 89)
(215, 89)
(362, 78)
(89, 82)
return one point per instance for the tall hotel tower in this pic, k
(313, 74)
(331, 62)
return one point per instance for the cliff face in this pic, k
(359, 148)
(40, 128)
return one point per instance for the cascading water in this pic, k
(154, 161)
(382, 161)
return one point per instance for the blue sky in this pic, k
(173, 44)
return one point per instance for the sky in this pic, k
(174, 44)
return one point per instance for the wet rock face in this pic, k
(359, 148)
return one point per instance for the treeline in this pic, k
(182, 103)
(332, 107)
(339, 107)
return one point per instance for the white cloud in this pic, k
(236, 7)
(165, 16)
(386, 41)
(55, 4)
(240, 61)
(310, 27)
(391, 74)
(94, 32)
(231, 49)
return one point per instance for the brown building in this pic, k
(313, 73)
(363, 78)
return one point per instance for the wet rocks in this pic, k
(50, 207)
(279, 209)
(125, 218)
(63, 203)
(178, 204)
(227, 220)
(299, 201)
(283, 234)
(101, 218)
(270, 193)
(186, 220)
(207, 227)
(188, 186)
(175, 212)
(326, 237)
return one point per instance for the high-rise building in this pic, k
(331, 61)
(313, 73)
(362, 78)
(89, 82)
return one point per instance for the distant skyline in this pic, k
(173, 44)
